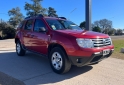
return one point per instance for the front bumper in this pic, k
(83, 60)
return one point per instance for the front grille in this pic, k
(101, 42)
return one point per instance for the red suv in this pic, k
(62, 41)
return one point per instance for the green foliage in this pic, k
(118, 44)
(35, 8)
(119, 32)
(111, 31)
(82, 24)
(2, 25)
(15, 16)
(52, 12)
(7, 30)
(97, 29)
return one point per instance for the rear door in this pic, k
(27, 33)
(39, 39)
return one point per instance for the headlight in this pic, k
(110, 40)
(85, 43)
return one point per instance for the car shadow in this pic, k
(34, 69)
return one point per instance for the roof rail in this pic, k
(38, 15)
(62, 18)
(27, 17)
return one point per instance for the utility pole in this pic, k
(88, 15)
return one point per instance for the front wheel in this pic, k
(19, 50)
(58, 61)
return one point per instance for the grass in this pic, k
(118, 44)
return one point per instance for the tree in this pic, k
(97, 29)
(111, 31)
(52, 12)
(35, 8)
(104, 24)
(82, 24)
(7, 30)
(2, 26)
(15, 16)
(119, 31)
(96, 24)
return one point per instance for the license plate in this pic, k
(106, 52)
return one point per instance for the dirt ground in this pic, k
(109, 72)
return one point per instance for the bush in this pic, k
(97, 29)
(6, 31)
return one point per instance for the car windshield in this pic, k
(62, 25)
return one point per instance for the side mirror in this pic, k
(42, 29)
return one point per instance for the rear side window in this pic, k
(29, 25)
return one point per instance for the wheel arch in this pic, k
(53, 45)
(16, 39)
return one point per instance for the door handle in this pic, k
(24, 34)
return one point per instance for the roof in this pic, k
(40, 15)
(62, 18)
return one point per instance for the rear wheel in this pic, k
(58, 61)
(19, 50)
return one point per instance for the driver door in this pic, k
(39, 39)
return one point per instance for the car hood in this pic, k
(83, 34)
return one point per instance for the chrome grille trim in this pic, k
(102, 42)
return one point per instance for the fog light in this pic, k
(97, 53)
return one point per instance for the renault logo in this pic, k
(104, 41)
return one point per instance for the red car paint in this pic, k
(40, 42)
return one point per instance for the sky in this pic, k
(74, 10)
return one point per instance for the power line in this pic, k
(4, 13)
(73, 10)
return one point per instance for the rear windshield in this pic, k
(62, 24)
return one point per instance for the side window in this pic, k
(65, 24)
(29, 25)
(38, 24)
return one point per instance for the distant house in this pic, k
(123, 32)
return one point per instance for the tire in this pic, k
(19, 50)
(58, 61)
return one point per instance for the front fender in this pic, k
(67, 42)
